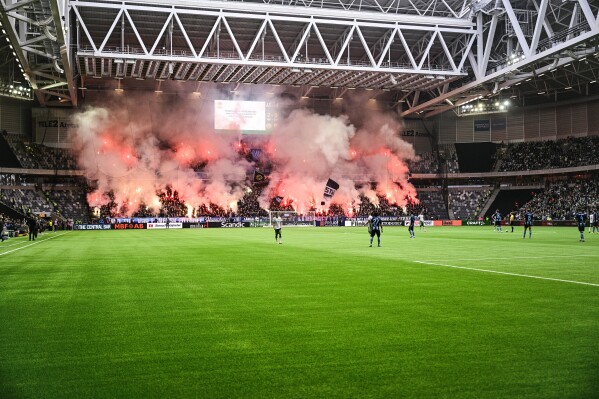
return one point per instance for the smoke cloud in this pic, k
(137, 146)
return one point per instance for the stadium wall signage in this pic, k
(226, 224)
(416, 223)
(451, 222)
(92, 227)
(414, 133)
(129, 226)
(473, 223)
(172, 225)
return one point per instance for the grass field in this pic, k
(458, 312)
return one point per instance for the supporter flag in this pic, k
(259, 177)
(256, 154)
(330, 188)
(278, 199)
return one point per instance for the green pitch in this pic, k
(458, 312)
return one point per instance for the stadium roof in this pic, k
(426, 57)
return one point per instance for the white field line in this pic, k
(530, 257)
(33, 243)
(505, 273)
(19, 242)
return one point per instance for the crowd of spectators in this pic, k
(37, 156)
(10, 224)
(69, 203)
(467, 202)
(538, 155)
(25, 199)
(431, 162)
(562, 200)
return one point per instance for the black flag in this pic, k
(330, 188)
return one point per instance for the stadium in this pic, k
(431, 169)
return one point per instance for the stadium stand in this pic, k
(560, 201)
(511, 199)
(69, 203)
(430, 162)
(467, 202)
(37, 156)
(432, 203)
(563, 153)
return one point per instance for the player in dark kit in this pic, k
(527, 223)
(375, 227)
(581, 219)
(497, 218)
(411, 226)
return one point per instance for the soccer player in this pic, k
(421, 219)
(411, 226)
(277, 224)
(591, 221)
(596, 225)
(512, 219)
(581, 219)
(528, 216)
(375, 227)
(497, 219)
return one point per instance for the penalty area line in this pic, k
(506, 273)
(33, 243)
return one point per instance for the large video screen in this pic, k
(247, 117)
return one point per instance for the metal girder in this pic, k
(36, 29)
(258, 35)
(513, 45)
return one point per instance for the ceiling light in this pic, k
(118, 61)
(568, 88)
